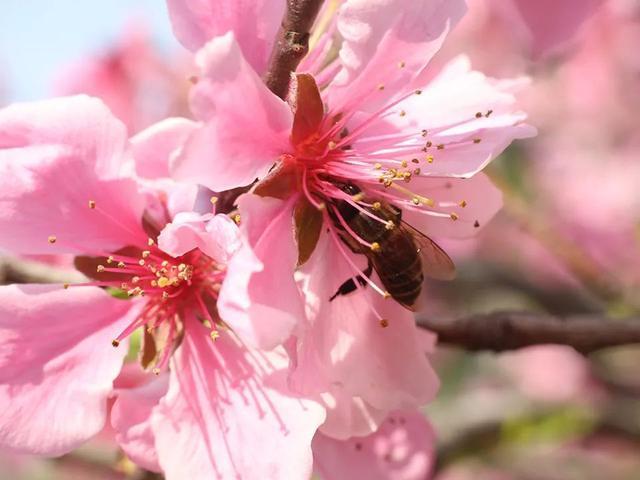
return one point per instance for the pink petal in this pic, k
(259, 284)
(246, 127)
(182, 197)
(131, 418)
(253, 22)
(379, 35)
(232, 421)
(349, 416)
(401, 449)
(81, 126)
(552, 23)
(549, 373)
(447, 109)
(154, 147)
(57, 365)
(55, 157)
(215, 235)
(481, 200)
(345, 336)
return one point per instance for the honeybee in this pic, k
(401, 256)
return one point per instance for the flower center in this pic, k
(172, 288)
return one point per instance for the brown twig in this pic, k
(292, 44)
(502, 331)
(17, 270)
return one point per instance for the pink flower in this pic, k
(551, 373)
(360, 131)
(135, 82)
(223, 409)
(502, 36)
(401, 449)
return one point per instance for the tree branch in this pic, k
(292, 44)
(17, 270)
(502, 331)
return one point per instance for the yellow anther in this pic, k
(163, 282)
(358, 197)
(390, 225)
(415, 160)
(440, 146)
(376, 205)
(236, 218)
(402, 113)
(65, 286)
(165, 295)
(141, 262)
(375, 247)
(213, 200)
(52, 239)
(151, 242)
(416, 171)
(332, 145)
(377, 166)
(384, 323)
(135, 279)
(404, 163)
(477, 140)
(110, 260)
(402, 64)
(416, 201)
(418, 92)
(454, 216)
(463, 203)
(181, 267)
(146, 253)
(92, 204)
(115, 343)
(156, 371)
(165, 263)
(100, 268)
(154, 283)
(124, 286)
(215, 335)
(121, 265)
(428, 144)
(429, 158)
(381, 87)
(479, 115)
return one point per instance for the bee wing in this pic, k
(435, 261)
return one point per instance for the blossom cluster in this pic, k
(260, 260)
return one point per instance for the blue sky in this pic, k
(37, 37)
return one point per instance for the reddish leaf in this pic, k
(308, 224)
(309, 109)
(148, 351)
(279, 183)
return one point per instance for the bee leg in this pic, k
(350, 286)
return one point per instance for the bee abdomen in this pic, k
(399, 267)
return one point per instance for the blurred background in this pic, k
(567, 241)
